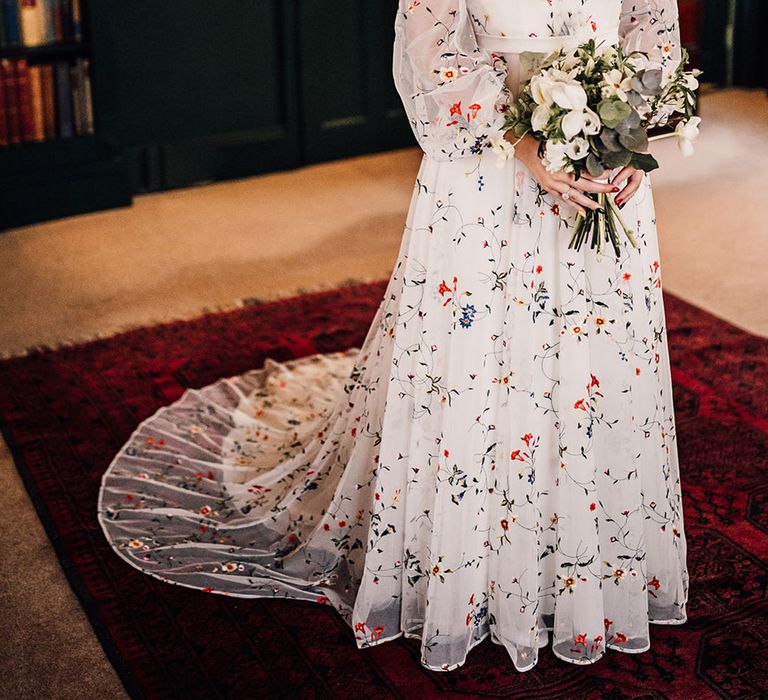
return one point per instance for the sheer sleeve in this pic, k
(454, 94)
(652, 26)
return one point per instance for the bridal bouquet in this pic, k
(591, 109)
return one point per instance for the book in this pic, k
(87, 95)
(8, 76)
(58, 20)
(32, 19)
(49, 100)
(76, 87)
(24, 97)
(77, 21)
(11, 22)
(49, 7)
(66, 20)
(63, 92)
(36, 90)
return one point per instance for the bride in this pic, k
(499, 457)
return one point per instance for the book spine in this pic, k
(49, 99)
(32, 22)
(36, 89)
(77, 21)
(76, 88)
(3, 114)
(58, 20)
(66, 20)
(11, 20)
(49, 9)
(87, 96)
(8, 75)
(26, 120)
(63, 100)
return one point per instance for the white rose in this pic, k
(578, 148)
(687, 133)
(540, 117)
(554, 156)
(573, 123)
(569, 95)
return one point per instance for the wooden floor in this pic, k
(176, 254)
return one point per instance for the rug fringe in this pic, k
(112, 331)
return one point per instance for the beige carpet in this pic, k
(177, 254)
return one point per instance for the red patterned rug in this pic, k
(65, 413)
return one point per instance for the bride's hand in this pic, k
(527, 152)
(633, 177)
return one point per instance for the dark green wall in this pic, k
(219, 90)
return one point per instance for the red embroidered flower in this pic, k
(655, 583)
(580, 639)
(504, 524)
(592, 506)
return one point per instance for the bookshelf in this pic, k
(65, 167)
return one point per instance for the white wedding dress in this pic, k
(499, 457)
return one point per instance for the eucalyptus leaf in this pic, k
(631, 122)
(613, 111)
(610, 140)
(635, 140)
(617, 159)
(595, 166)
(531, 60)
(635, 98)
(647, 82)
(644, 161)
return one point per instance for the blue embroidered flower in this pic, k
(467, 316)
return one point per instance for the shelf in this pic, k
(47, 50)
(45, 156)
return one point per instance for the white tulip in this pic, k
(541, 90)
(578, 148)
(540, 117)
(592, 124)
(573, 123)
(687, 133)
(569, 95)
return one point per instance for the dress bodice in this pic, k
(542, 25)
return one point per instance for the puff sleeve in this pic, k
(652, 26)
(453, 93)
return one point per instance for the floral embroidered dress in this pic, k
(498, 458)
